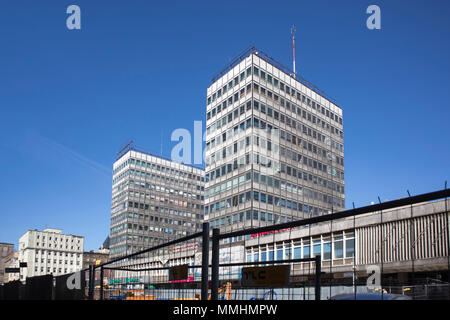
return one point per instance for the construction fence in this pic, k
(392, 250)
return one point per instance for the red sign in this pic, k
(189, 279)
(270, 232)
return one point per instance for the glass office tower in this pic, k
(154, 200)
(274, 147)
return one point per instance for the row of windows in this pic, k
(143, 239)
(57, 261)
(274, 133)
(261, 106)
(154, 177)
(146, 228)
(250, 215)
(138, 227)
(158, 189)
(54, 270)
(276, 201)
(56, 239)
(161, 168)
(296, 125)
(55, 253)
(49, 245)
(156, 219)
(341, 247)
(272, 182)
(277, 167)
(300, 97)
(165, 211)
(168, 190)
(118, 250)
(276, 83)
(145, 206)
(228, 87)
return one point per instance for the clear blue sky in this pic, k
(70, 99)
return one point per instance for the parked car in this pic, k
(370, 296)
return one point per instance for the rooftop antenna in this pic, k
(293, 48)
(161, 142)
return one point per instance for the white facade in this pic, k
(274, 148)
(154, 200)
(50, 252)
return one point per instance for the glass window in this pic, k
(327, 251)
(263, 256)
(338, 248)
(287, 254)
(263, 197)
(306, 251)
(350, 248)
(280, 254)
(298, 253)
(316, 248)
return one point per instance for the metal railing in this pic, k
(139, 262)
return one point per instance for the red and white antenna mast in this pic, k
(293, 48)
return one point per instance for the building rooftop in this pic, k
(59, 231)
(252, 50)
(130, 146)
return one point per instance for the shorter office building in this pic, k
(50, 252)
(95, 257)
(406, 244)
(6, 252)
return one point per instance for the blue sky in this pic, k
(70, 99)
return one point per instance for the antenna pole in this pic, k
(293, 47)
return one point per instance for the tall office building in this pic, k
(274, 146)
(154, 200)
(50, 252)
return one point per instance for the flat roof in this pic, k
(130, 146)
(261, 54)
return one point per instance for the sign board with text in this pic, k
(178, 272)
(271, 276)
(12, 270)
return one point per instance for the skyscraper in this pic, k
(154, 200)
(274, 146)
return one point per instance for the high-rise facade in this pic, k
(274, 147)
(50, 252)
(154, 200)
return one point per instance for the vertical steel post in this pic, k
(318, 275)
(205, 261)
(215, 265)
(101, 283)
(91, 282)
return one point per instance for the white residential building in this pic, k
(50, 252)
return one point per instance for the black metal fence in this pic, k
(189, 268)
(164, 272)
